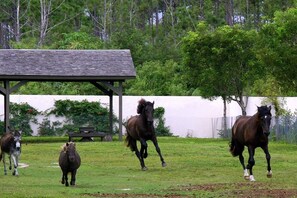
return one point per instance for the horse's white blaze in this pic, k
(18, 145)
(252, 178)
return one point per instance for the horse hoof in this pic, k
(144, 168)
(269, 174)
(164, 164)
(252, 179)
(246, 177)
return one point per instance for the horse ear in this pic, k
(269, 108)
(67, 144)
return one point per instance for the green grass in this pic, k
(195, 168)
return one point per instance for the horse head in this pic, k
(146, 109)
(265, 117)
(70, 151)
(17, 140)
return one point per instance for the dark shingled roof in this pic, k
(68, 65)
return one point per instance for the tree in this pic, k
(222, 63)
(278, 50)
(156, 78)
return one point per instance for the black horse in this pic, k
(253, 132)
(141, 128)
(11, 145)
(69, 162)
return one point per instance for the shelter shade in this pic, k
(102, 68)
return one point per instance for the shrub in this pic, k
(161, 129)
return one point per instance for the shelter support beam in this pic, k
(6, 90)
(109, 88)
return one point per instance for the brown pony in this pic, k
(253, 132)
(141, 128)
(11, 145)
(69, 161)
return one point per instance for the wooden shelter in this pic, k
(105, 69)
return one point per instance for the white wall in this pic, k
(185, 116)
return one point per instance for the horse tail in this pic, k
(233, 147)
(130, 142)
(0, 156)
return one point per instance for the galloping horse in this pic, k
(253, 132)
(141, 128)
(69, 162)
(11, 145)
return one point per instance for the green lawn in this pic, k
(195, 168)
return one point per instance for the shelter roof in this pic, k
(66, 65)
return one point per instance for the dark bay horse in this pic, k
(69, 162)
(141, 128)
(253, 132)
(11, 144)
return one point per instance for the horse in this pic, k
(69, 162)
(11, 144)
(141, 128)
(252, 132)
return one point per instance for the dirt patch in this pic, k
(124, 195)
(241, 190)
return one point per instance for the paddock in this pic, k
(195, 168)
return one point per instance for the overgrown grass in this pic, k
(110, 169)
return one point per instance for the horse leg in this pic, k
(9, 156)
(246, 174)
(15, 163)
(4, 164)
(72, 182)
(251, 162)
(269, 172)
(65, 175)
(143, 149)
(63, 179)
(142, 154)
(159, 151)
(138, 155)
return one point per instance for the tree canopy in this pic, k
(237, 41)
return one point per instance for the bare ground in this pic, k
(241, 190)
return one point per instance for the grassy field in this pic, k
(195, 168)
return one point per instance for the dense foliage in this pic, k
(153, 31)
(68, 116)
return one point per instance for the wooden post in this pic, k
(120, 111)
(6, 105)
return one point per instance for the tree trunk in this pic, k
(229, 12)
(225, 116)
(45, 9)
(201, 10)
(4, 36)
(17, 21)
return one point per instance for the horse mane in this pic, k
(65, 146)
(141, 104)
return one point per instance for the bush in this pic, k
(21, 115)
(77, 114)
(161, 129)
